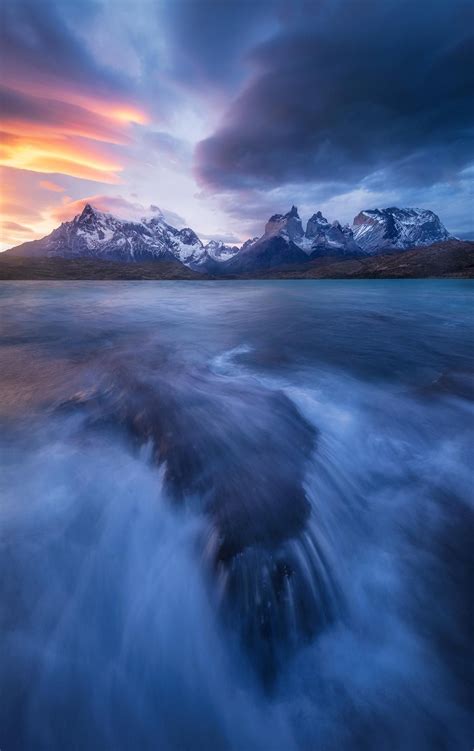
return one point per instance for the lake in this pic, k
(236, 516)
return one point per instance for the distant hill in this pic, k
(448, 259)
(57, 268)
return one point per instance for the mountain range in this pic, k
(95, 234)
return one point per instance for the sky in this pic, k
(223, 112)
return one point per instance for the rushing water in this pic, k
(236, 516)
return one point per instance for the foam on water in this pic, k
(235, 516)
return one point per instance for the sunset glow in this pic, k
(64, 156)
(205, 111)
(129, 116)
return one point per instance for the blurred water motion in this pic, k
(236, 516)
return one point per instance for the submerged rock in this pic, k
(236, 452)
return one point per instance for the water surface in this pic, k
(236, 516)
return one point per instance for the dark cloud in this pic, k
(44, 47)
(207, 39)
(352, 89)
(331, 104)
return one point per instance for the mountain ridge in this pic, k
(99, 235)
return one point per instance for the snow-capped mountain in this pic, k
(285, 242)
(380, 229)
(97, 234)
(278, 246)
(325, 239)
(101, 235)
(320, 237)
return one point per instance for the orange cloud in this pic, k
(15, 227)
(24, 208)
(13, 232)
(13, 210)
(114, 204)
(66, 156)
(91, 130)
(64, 135)
(54, 130)
(129, 115)
(54, 187)
(119, 110)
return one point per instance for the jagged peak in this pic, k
(90, 212)
(188, 236)
(291, 214)
(316, 223)
(396, 210)
(87, 211)
(394, 227)
(94, 231)
(318, 215)
(214, 244)
(248, 243)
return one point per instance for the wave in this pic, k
(205, 547)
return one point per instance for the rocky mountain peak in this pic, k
(248, 243)
(287, 225)
(188, 236)
(315, 224)
(88, 212)
(91, 218)
(97, 234)
(378, 229)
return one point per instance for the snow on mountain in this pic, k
(325, 239)
(101, 235)
(319, 239)
(372, 231)
(380, 229)
(278, 246)
(218, 251)
(285, 242)
(98, 234)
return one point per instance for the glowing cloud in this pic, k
(66, 156)
(53, 187)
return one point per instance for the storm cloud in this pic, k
(207, 41)
(230, 110)
(348, 92)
